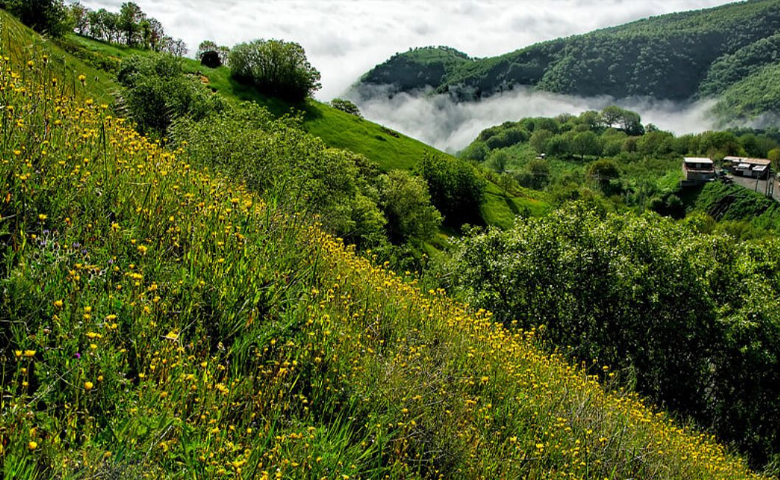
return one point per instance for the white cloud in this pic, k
(345, 38)
(450, 126)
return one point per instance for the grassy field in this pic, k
(162, 322)
(389, 149)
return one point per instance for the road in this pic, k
(750, 183)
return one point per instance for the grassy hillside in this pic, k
(387, 148)
(20, 45)
(734, 203)
(677, 56)
(161, 321)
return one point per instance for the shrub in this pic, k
(276, 68)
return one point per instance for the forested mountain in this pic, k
(678, 56)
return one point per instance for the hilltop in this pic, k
(724, 52)
(161, 319)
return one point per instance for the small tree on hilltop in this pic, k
(276, 68)
(346, 106)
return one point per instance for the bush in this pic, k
(457, 189)
(45, 16)
(692, 320)
(276, 68)
(407, 206)
(157, 91)
(346, 106)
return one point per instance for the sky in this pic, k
(345, 38)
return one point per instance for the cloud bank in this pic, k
(345, 38)
(451, 126)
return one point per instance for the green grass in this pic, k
(161, 321)
(22, 45)
(388, 149)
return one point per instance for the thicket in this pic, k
(156, 91)
(417, 69)
(45, 16)
(457, 189)
(689, 319)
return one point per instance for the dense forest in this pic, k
(724, 50)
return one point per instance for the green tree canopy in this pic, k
(407, 206)
(47, 16)
(276, 68)
(457, 189)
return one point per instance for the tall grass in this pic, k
(160, 321)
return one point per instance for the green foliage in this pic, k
(735, 203)
(735, 67)
(690, 319)
(277, 158)
(210, 47)
(457, 189)
(407, 206)
(346, 106)
(46, 16)
(161, 320)
(756, 97)
(415, 69)
(156, 91)
(130, 27)
(276, 68)
(603, 172)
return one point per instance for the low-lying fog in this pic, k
(450, 126)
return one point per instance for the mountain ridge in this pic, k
(667, 57)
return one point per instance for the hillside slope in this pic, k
(162, 321)
(385, 147)
(676, 56)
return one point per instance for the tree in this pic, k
(276, 68)
(103, 25)
(457, 189)
(79, 17)
(175, 47)
(498, 160)
(539, 140)
(152, 33)
(45, 16)
(407, 207)
(130, 17)
(204, 47)
(586, 143)
(346, 106)
(630, 122)
(157, 92)
(603, 171)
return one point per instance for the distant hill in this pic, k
(678, 56)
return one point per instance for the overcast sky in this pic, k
(345, 38)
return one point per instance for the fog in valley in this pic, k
(448, 125)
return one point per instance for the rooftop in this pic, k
(698, 160)
(749, 161)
